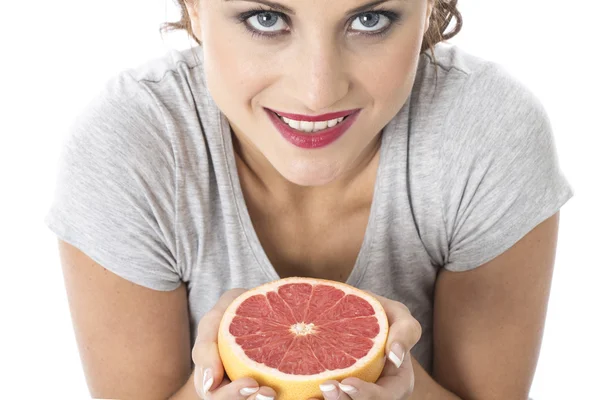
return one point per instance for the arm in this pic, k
(488, 323)
(133, 341)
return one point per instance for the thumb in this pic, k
(208, 372)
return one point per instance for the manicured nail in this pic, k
(396, 355)
(263, 397)
(329, 390)
(248, 391)
(348, 389)
(207, 380)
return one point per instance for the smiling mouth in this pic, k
(312, 134)
(310, 126)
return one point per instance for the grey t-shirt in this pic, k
(148, 186)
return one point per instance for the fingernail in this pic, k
(348, 389)
(396, 355)
(207, 380)
(329, 390)
(248, 391)
(263, 397)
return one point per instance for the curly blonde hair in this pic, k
(444, 11)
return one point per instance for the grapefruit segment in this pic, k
(300, 360)
(242, 326)
(349, 306)
(270, 353)
(296, 296)
(255, 307)
(295, 333)
(280, 311)
(361, 326)
(324, 298)
(328, 354)
(356, 346)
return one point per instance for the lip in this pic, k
(315, 118)
(312, 140)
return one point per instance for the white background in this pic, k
(56, 55)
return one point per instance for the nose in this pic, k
(321, 80)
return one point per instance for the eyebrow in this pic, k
(282, 8)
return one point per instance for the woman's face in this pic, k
(310, 57)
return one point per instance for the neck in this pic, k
(354, 185)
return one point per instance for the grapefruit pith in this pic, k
(295, 333)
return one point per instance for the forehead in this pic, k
(290, 6)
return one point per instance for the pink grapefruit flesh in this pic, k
(295, 333)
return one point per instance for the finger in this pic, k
(401, 380)
(394, 310)
(397, 386)
(264, 393)
(208, 372)
(207, 329)
(331, 391)
(402, 336)
(387, 387)
(240, 389)
(404, 332)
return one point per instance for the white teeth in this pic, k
(320, 125)
(292, 123)
(307, 126)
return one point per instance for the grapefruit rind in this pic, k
(292, 387)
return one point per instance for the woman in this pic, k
(341, 142)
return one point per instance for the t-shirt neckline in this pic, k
(362, 260)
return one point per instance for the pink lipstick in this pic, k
(308, 140)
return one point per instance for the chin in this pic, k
(310, 172)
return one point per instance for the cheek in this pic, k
(394, 75)
(232, 73)
(389, 80)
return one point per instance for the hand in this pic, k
(209, 376)
(397, 379)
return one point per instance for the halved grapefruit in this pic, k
(295, 333)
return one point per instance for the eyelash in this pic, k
(243, 17)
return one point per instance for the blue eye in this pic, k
(263, 22)
(371, 20)
(271, 24)
(266, 21)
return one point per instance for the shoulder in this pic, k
(158, 84)
(138, 110)
(477, 103)
(179, 64)
(449, 59)
(461, 82)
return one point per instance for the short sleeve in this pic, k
(499, 172)
(115, 191)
